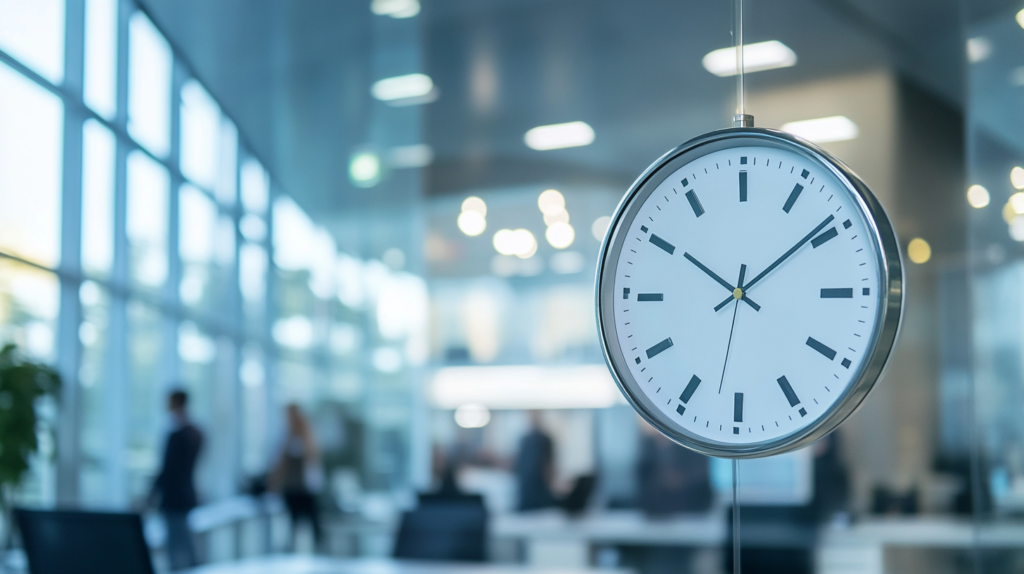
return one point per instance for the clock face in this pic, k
(744, 296)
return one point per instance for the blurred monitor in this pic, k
(63, 542)
(781, 480)
(578, 497)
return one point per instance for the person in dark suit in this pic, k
(174, 485)
(534, 467)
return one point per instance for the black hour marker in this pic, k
(737, 407)
(821, 348)
(793, 195)
(787, 390)
(735, 430)
(847, 224)
(846, 363)
(680, 409)
(698, 209)
(637, 360)
(817, 241)
(686, 182)
(803, 412)
(865, 291)
(804, 174)
(837, 293)
(669, 248)
(649, 297)
(743, 160)
(691, 387)
(743, 183)
(625, 292)
(643, 228)
(659, 348)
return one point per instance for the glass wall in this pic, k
(134, 218)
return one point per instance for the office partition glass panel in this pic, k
(200, 131)
(206, 247)
(100, 90)
(254, 411)
(147, 387)
(31, 151)
(252, 281)
(94, 380)
(226, 189)
(33, 33)
(149, 85)
(255, 188)
(98, 164)
(147, 210)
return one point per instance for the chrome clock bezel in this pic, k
(888, 316)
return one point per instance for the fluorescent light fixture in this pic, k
(395, 8)
(558, 136)
(756, 57)
(407, 89)
(411, 156)
(524, 387)
(824, 130)
(472, 416)
(364, 169)
(978, 49)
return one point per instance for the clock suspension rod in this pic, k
(741, 119)
(735, 516)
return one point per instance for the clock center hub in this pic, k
(737, 293)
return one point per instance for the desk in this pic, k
(861, 547)
(322, 565)
(552, 538)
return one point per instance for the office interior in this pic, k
(340, 205)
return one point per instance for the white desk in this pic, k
(322, 565)
(861, 547)
(553, 539)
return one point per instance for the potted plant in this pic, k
(22, 384)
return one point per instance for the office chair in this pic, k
(450, 528)
(64, 541)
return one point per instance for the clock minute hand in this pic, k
(779, 261)
(720, 281)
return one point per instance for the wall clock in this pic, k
(749, 293)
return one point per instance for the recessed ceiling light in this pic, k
(756, 57)
(823, 130)
(557, 136)
(403, 88)
(364, 169)
(395, 8)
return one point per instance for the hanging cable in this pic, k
(741, 119)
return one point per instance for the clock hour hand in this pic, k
(779, 261)
(720, 281)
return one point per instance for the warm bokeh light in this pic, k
(472, 223)
(520, 243)
(600, 227)
(473, 203)
(977, 196)
(1020, 18)
(560, 235)
(560, 217)
(1017, 177)
(364, 169)
(919, 251)
(551, 202)
(1017, 203)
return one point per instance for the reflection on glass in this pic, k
(252, 280)
(33, 32)
(226, 190)
(149, 85)
(29, 302)
(254, 411)
(146, 389)
(100, 92)
(200, 126)
(92, 375)
(98, 146)
(147, 220)
(31, 141)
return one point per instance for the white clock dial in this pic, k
(748, 288)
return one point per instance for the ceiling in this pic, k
(295, 76)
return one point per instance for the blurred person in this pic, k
(831, 479)
(447, 475)
(671, 478)
(174, 485)
(297, 474)
(534, 467)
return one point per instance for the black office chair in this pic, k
(63, 541)
(450, 528)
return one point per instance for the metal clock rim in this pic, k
(890, 312)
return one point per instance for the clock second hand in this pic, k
(779, 261)
(728, 347)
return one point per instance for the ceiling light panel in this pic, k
(558, 136)
(756, 57)
(824, 130)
